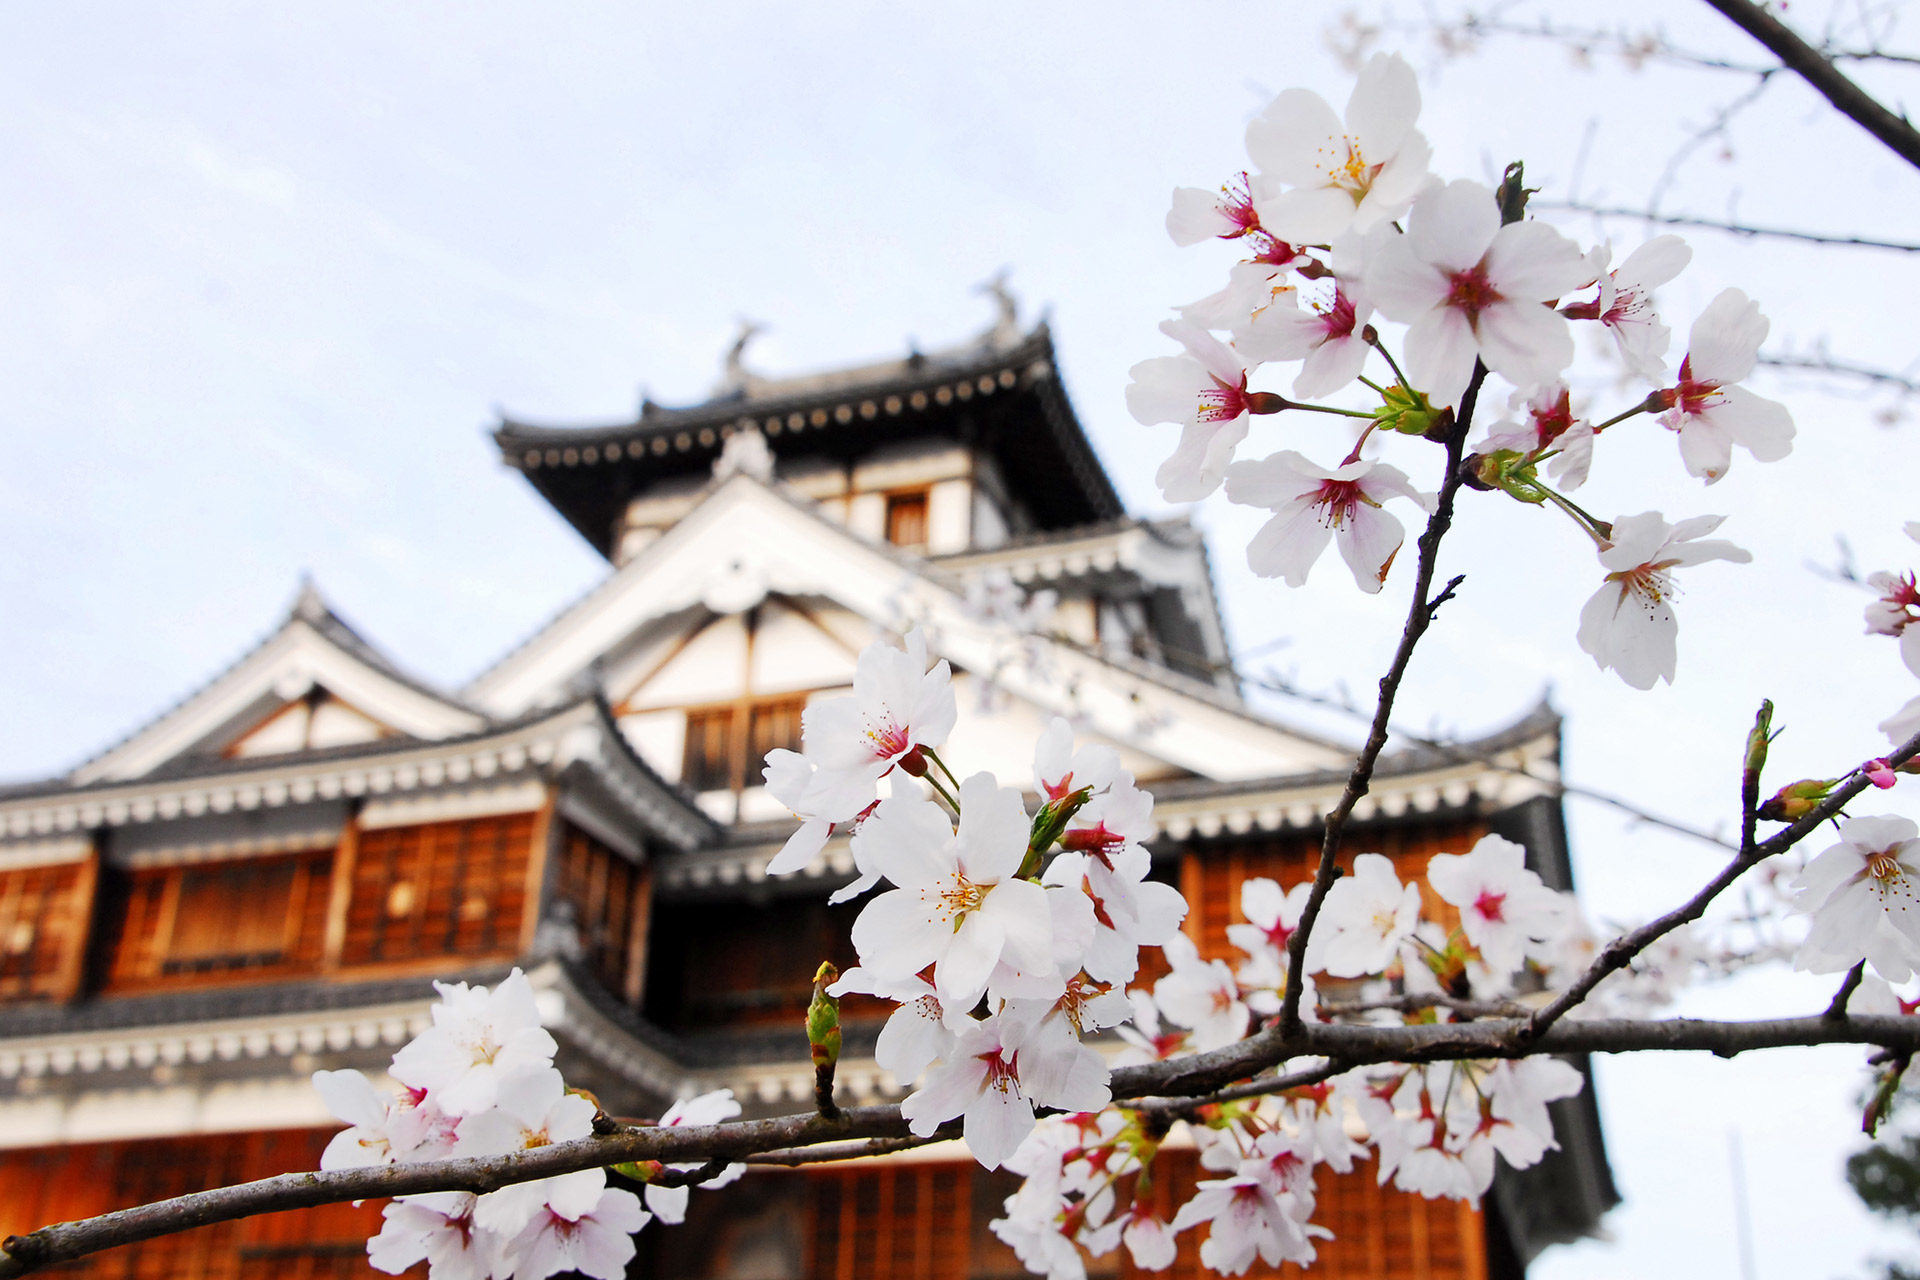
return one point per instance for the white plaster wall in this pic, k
(790, 654)
(659, 738)
(709, 669)
(949, 508)
(867, 516)
(989, 524)
(337, 725)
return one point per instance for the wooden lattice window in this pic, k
(892, 1222)
(439, 889)
(235, 915)
(907, 518)
(41, 922)
(718, 757)
(232, 920)
(708, 762)
(611, 900)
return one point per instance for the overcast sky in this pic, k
(268, 274)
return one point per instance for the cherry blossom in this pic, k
(1897, 607)
(536, 1112)
(1706, 410)
(479, 1039)
(1505, 910)
(983, 1081)
(595, 1239)
(1864, 896)
(1469, 287)
(1225, 214)
(669, 1204)
(1624, 303)
(897, 707)
(915, 1035)
(1205, 392)
(960, 905)
(1628, 625)
(1202, 995)
(384, 1129)
(1326, 334)
(438, 1229)
(1313, 506)
(1363, 919)
(1344, 175)
(1547, 422)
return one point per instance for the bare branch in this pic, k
(1827, 79)
(784, 1139)
(1838, 1009)
(1620, 952)
(1420, 611)
(1729, 227)
(1840, 368)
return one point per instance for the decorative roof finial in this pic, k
(745, 452)
(308, 604)
(733, 372)
(1006, 326)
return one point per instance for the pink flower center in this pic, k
(1097, 841)
(1000, 1072)
(1490, 905)
(1279, 934)
(961, 896)
(1340, 498)
(1470, 291)
(1236, 204)
(1694, 397)
(1647, 584)
(1337, 319)
(1554, 421)
(1884, 867)
(886, 739)
(1223, 403)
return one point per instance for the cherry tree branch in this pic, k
(1619, 953)
(808, 1138)
(1819, 71)
(1840, 368)
(1730, 227)
(1420, 613)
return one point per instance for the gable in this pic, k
(747, 542)
(312, 684)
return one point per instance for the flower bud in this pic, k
(1409, 412)
(1879, 773)
(1797, 799)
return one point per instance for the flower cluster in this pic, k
(1341, 226)
(1436, 1129)
(481, 1082)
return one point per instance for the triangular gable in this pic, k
(313, 683)
(747, 541)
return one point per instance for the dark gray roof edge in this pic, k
(1037, 344)
(330, 626)
(1540, 719)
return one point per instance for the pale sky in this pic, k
(267, 272)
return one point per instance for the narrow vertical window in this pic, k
(708, 762)
(907, 518)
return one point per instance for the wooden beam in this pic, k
(70, 979)
(546, 832)
(639, 926)
(346, 859)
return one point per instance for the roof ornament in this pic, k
(308, 604)
(733, 371)
(744, 452)
(1005, 331)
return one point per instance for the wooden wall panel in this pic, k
(1211, 875)
(1379, 1233)
(43, 922)
(327, 1242)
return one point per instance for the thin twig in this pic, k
(1620, 952)
(1420, 611)
(1838, 1009)
(1827, 79)
(1840, 368)
(1259, 1087)
(1432, 1000)
(1731, 228)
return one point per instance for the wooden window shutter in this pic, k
(708, 762)
(907, 518)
